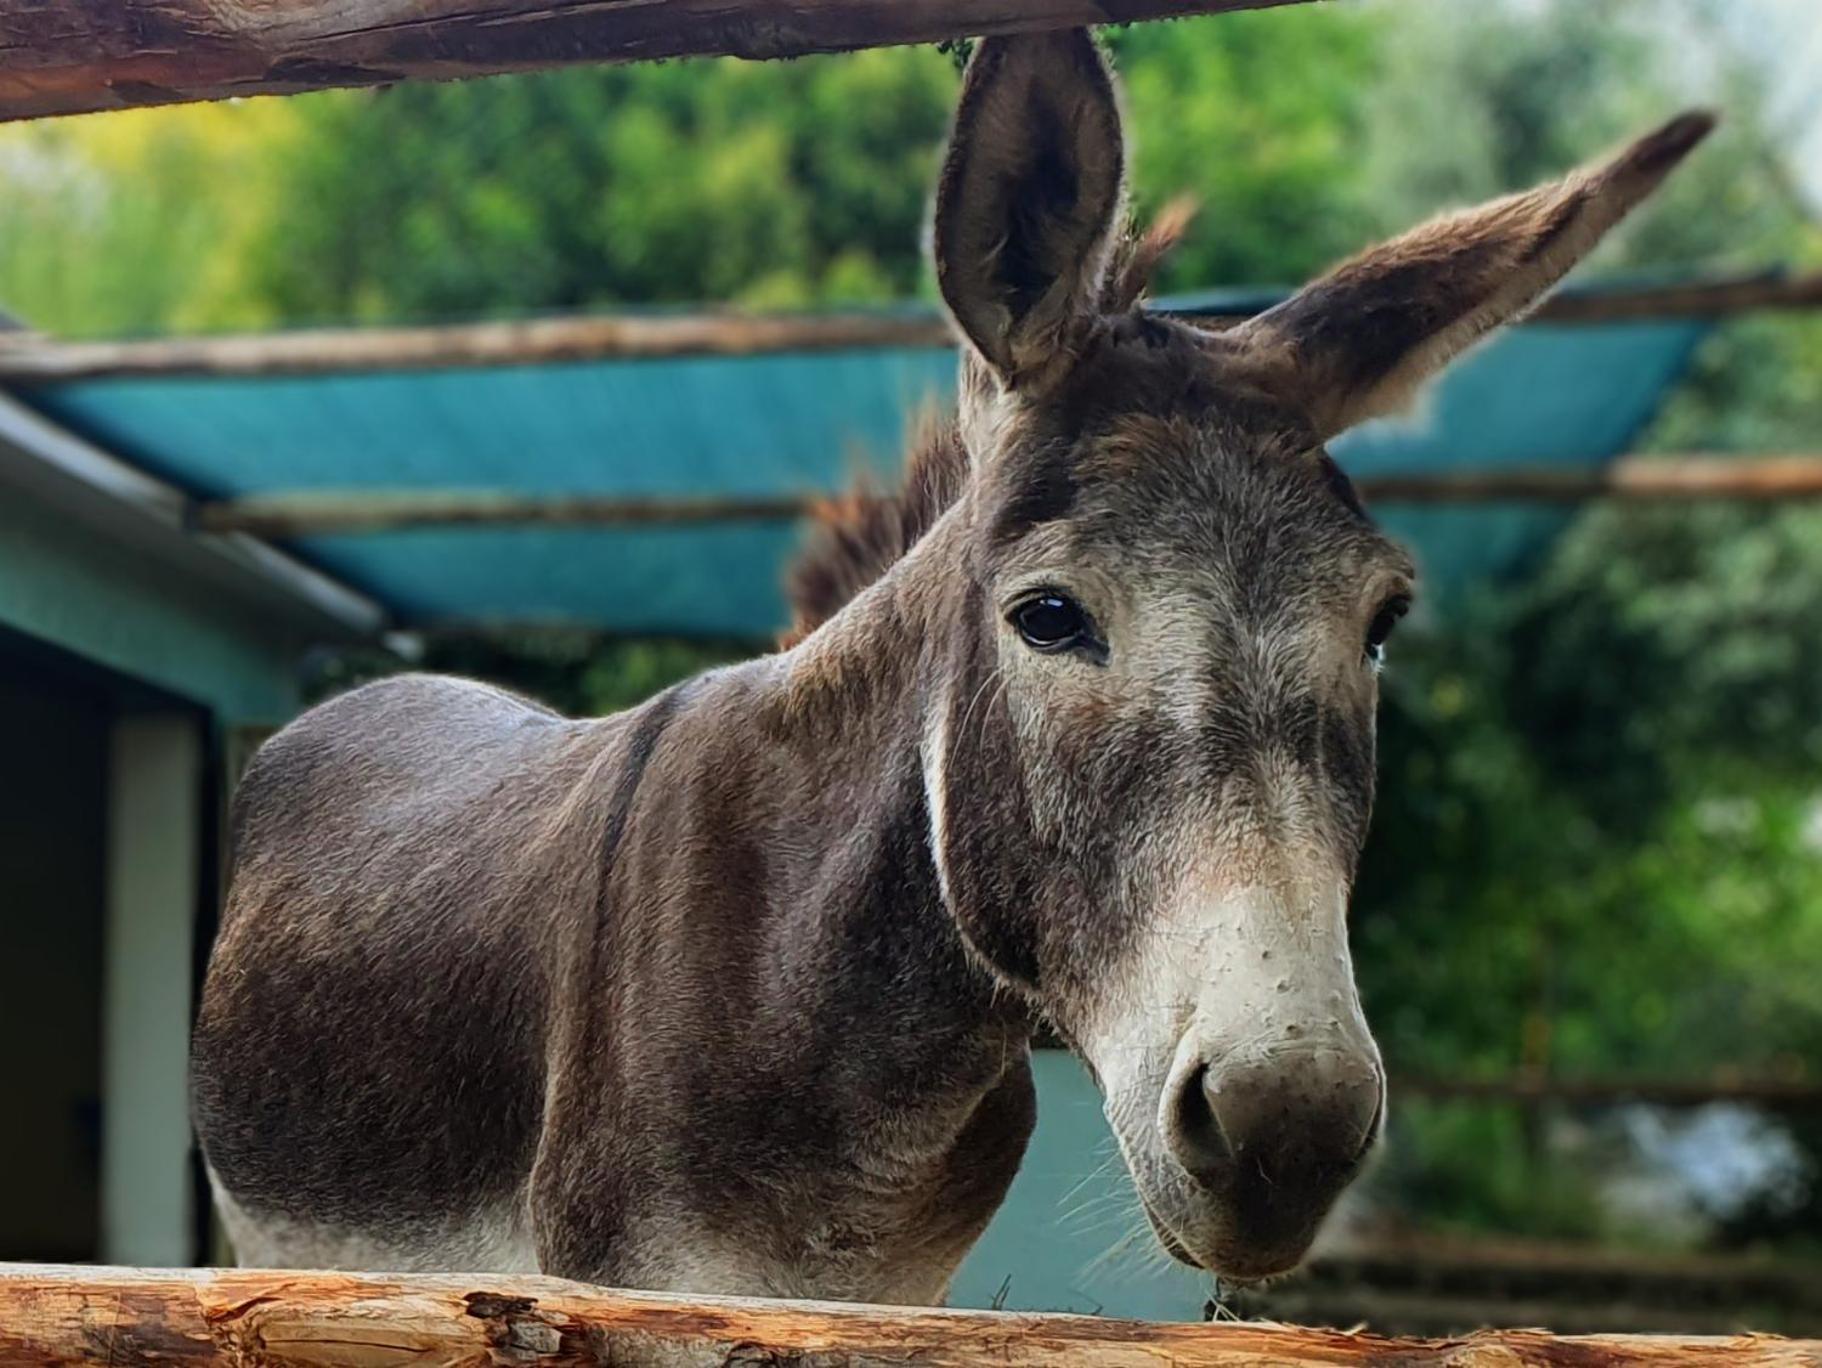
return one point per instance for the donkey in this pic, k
(733, 992)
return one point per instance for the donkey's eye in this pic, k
(1383, 622)
(1051, 622)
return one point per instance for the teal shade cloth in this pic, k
(1071, 1234)
(783, 423)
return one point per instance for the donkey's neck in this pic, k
(857, 701)
(787, 977)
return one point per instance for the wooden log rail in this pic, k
(344, 512)
(81, 55)
(126, 1317)
(28, 358)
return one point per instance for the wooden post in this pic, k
(191, 1317)
(81, 55)
(155, 844)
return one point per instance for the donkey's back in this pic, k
(369, 1055)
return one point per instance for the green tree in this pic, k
(140, 221)
(1259, 116)
(773, 184)
(779, 184)
(1599, 843)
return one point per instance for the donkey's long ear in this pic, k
(1028, 197)
(1358, 342)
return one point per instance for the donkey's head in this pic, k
(1151, 769)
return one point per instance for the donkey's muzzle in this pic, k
(1274, 1138)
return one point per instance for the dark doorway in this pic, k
(53, 884)
(106, 859)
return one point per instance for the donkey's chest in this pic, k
(893, 1218)
(882, 1209)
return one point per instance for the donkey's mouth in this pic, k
(1168, 1238)
(1236, 1267)
(1175, 1247)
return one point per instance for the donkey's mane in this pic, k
(860, 533)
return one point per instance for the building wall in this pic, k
(121, 677)
(64, 583)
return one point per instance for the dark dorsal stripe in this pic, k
(640, 747)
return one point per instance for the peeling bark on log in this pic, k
(81, 55)
(28, 358)
(125, 1317)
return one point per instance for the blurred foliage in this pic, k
(1664, 919)
(1257, 116)
(1599, 844)
(771, 185)
(786, 184)
(140, 221)
(776, 184)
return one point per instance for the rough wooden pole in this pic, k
(80, 55)
(355, 511)
(32, 359)
(126, 1317)
(340, 512)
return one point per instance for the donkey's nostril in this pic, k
(1290, 1116)
(1197, 1137)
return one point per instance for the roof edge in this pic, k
(40, 456)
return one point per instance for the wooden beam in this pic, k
(1772, 1094)
(31, 359)
(1630, 477)
(82, 55)
(183, 1317)
(1708, 299)
(357, 511)
(341, 512)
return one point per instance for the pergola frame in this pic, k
(89, 55)
(28, 358)
(360, 511)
